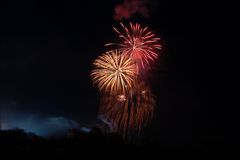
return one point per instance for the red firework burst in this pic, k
(141, 43)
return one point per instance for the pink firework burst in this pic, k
(140, 42)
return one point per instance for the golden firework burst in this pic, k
(114, 73)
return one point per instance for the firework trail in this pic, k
(127, 103)
(129, 113)
(114, 73)
(139, 42)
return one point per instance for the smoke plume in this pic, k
(35, 123)
(129, 8)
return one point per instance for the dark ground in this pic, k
(99, 145)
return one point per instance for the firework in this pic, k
(129, 113)
(139, 42)
(114, 73)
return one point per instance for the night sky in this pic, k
(47, 50)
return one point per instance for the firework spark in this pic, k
(114, 73)
(139, 42)
(129, 113)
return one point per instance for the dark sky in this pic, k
(47, 50)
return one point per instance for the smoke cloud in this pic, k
(129, 8)
(35, 123)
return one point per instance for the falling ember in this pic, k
(114, 73)
(129, 114)
(139, 42)
(121, 98)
